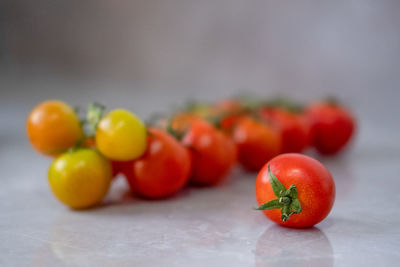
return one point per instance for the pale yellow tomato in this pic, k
(121, 136)
(80, 178)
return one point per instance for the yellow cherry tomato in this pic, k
(121, 136)
(80, 178)
(53, 127)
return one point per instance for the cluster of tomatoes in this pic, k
(198, 145)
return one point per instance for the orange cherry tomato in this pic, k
(53, 127)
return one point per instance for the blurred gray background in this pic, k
(150, 55)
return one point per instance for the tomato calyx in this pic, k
(89, 124)
(286, 198)
(94, 114)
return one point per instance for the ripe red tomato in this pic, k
(256, 143)
(213, 153)
(297, 192)
(164, 168)
(332, 127)
(294, 129)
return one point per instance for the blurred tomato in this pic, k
(256, 143)
(332, 126)
(295, 132)
(163, 169)
(213, 153)
(121, 136)
(80, 178)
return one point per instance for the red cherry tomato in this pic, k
(298, 192)
(256, 143)
(332, 127)
(164, 168)
(213, 153)
(294, 130)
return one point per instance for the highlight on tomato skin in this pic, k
(312, 184)
(256, 142)
(53, 127)
(162, 170)
(213, 153)
(332, 127)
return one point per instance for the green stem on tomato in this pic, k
(286, 199)
(94, 115)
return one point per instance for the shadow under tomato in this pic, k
(281, 246)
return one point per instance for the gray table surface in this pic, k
(197, 227)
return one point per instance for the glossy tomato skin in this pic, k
(53, 127)
(81, 178)
(256, 143)
(295, 132)
(332, 127)
(213, 153)
(315, 186)
(164, 168)
(121, 136)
